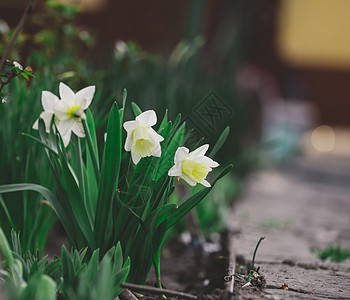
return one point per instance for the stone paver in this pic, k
(302, 207)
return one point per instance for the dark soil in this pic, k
(194, 269)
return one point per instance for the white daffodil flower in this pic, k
(193, 167)
(49, 102)
(142, 140)
(70, 110)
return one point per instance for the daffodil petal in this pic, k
(46, 116)
(36, 125)
(49, 101)
(65, 126)
(85, 93)
(208, 161)
(135, 159)
(66, 138)
(66, 93)
(128, 143)
(155, 136)
(78, 129)
(174, 171)
(181, 154)
(205, 183)
(200, 151)
(129, 126)
(61, 109)
(147, 118)
(189, 180)
(157, 152)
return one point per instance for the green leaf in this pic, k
(220, 142)
(41, 143)
(16, 245)
(109, 177)
(39, 287)
(67, 267)
(90, 133)
(45, 288)
(164, 121)
(122, 110)
(6, 252)
(118, 258)
(121, 277)
(4, 207)
(136, 109)
(93, 265)
(24, 75)
(76, 200)
(104, 288)
(46, 193)
(157, 241)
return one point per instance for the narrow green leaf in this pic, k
(16, 245)
(41, 143)
(122, 110)
(136, 109)
(109, 176)
(5, 250)
(121, 277)
(221, 140)
(24, 75)
(80, 173)
(67, 267)
(8, 216)
(46, 193)
(157, 241)
(164, 121)
(118, 258)
(93, 265)
(76, 201)
(90, 133)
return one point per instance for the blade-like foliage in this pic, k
(109, 177)
(113, 209)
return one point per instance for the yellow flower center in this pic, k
(195, 170)
(72, 111)
(142, 145)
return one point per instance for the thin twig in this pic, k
(14, 37)
(157, 291)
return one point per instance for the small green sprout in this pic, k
(252, 273)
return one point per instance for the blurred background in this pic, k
(287, 61)
(276, 71)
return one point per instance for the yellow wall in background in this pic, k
(315, 33)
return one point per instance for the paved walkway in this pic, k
(301, 207)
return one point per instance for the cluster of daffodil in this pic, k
(142, 140)
(101, 203)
